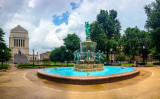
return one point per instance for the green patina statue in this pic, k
(100, 56)
(88, 54)
(102, 59)
(76, 57)
(87, 30)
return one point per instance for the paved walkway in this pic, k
(15, 85)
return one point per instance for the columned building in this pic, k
(19, 43)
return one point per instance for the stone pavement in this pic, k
(15, 84)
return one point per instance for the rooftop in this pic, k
(19, 28)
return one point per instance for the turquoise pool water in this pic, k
(69, 71)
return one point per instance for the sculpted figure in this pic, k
(100, 56)
(76, 57)
(102, 59)
(87, 30)
(88, 54)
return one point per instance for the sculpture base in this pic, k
(88, 67)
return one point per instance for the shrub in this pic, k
(5, 66)
(121, 57)
(156, 63)
(142, 63)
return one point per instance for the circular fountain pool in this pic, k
(70, 71)
(68, 75)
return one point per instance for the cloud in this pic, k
(40, 18)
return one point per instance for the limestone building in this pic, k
(19, 44)
(45, 55)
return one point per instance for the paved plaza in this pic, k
(24, 84)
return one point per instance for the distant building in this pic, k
(45, 55)
(19, 45)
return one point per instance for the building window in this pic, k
(24, 43)
(19, 42)
(14, 42)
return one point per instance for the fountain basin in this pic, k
(96, 77)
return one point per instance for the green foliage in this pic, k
(156, 63)
(46, 63)
(121, 57)
(72, 44)
(58, 54)
(155, 53)
(153, 24)
(46, 59)
(136, 42)
(106, 31)
(5, 66)
(153, 14)
(5, 54)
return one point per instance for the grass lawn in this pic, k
(127, 64)
(52, 63)
(5, 66)
(44, 65)
(120, 64)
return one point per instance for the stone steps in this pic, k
(20, 58)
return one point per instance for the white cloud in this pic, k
(37, 15)
(31, 3)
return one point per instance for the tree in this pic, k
(72, 44)
(5, 54)
(130, 42)
(106, 31)
(58, 54)
(144, 40)
(121, 57)
(153, 25)
(136, 42)
(153, 15)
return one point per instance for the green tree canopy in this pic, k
(72, 43)
(135, 42)
(153, 25)
(58, 54)
(153, 15)
(106, 31)
(5, 54)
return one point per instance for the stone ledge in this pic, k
(88, 80)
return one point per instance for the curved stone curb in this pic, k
(87, 80)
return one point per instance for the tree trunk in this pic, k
(2, 63)
(107, 55)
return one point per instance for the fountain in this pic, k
(87, 60)
(88, 68)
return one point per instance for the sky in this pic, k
(49, 21)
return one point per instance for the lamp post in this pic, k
(2, 58)
(143, 53)
(67, 57)
(111, 55)
(33, 57)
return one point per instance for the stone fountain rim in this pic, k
(88, 79)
